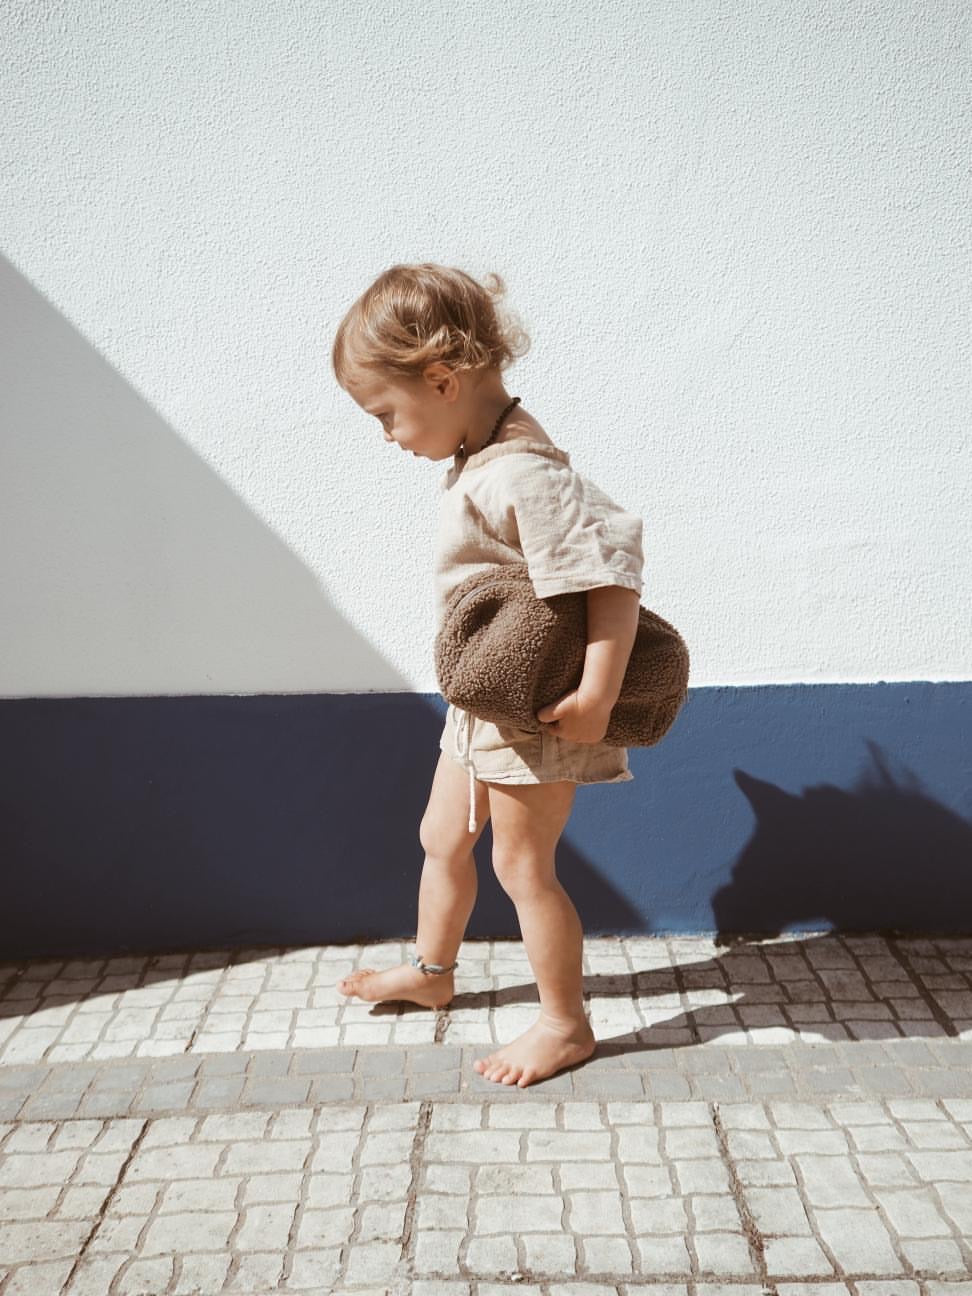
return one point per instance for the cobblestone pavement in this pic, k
(791, 1116)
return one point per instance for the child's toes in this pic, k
(350, 985)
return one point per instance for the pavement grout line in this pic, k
(754, 1238)
(416, 1161)
(109, 1196)
(938, 1013)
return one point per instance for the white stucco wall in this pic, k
(738, 234)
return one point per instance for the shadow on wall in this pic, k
(128, 566)
(880, 855)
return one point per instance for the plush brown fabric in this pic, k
(502, 654)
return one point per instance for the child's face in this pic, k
(423, 415)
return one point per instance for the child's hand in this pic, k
(576, 718)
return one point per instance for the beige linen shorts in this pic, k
(499, 754)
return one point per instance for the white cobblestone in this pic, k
(557, 1253)
(723, 1254)
(858, 1240)
(518, 1214)
(797, 1255)
(595, 1212)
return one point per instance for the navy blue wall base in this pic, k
(144, 825)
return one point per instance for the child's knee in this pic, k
(520, 872)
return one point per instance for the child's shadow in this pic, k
(880, 856)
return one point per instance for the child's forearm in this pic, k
(612, 624)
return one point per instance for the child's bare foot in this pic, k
(430, 990)
(543, 1049)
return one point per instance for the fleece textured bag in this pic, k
(502, 654)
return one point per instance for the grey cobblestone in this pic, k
(690, 1159)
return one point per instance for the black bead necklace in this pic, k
(461, 452)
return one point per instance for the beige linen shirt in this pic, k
(521, 500)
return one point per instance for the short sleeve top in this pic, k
(521, 500)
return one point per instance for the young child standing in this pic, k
(423, 350)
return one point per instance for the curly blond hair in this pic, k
(415, 315)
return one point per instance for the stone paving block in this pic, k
(324, 1229)
(681, 1144)
(372, 1262)
(667, 1084)
(189, 1231)
(858, 1240)
(556, 1253)
(778, 1210)
(331, 1088)
(658, 1215)
(798, 1256)
(663, 1255)
(378, 1088)
(610, 1255)
(35, 1278)
(957, 1204)
(608, 1084)
(933, 1167)
(714, 1213)
(218, 1093)
(322, 1061)
(877, 1138)
(723, 1254)
(568, 1145)
(931, 1135)
(199, 1195)
(474, 1146)
(489, 1255)
(934, 1257)
(882, 1079)
(270, 1091)
(750, 1144)
(791, 1142)
(647, 1181)
(519, 1213)
(380, 1061)
(326, 1190)
(595, 1212)
(702, 1176)
(438, 1058)
(764, 1084)
(93, 1275)
(433, 1084)
(588, 1174)
(728, 1088)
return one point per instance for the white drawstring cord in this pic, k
(464, 726)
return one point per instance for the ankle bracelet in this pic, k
(430, 968)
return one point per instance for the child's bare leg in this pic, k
(447, 893)
(527, 823)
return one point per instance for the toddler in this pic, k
(423, 350)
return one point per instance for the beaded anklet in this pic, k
(429, 968)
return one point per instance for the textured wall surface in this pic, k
(737, 233)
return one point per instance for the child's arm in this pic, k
(612, 624)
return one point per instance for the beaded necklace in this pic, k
(461, 452)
